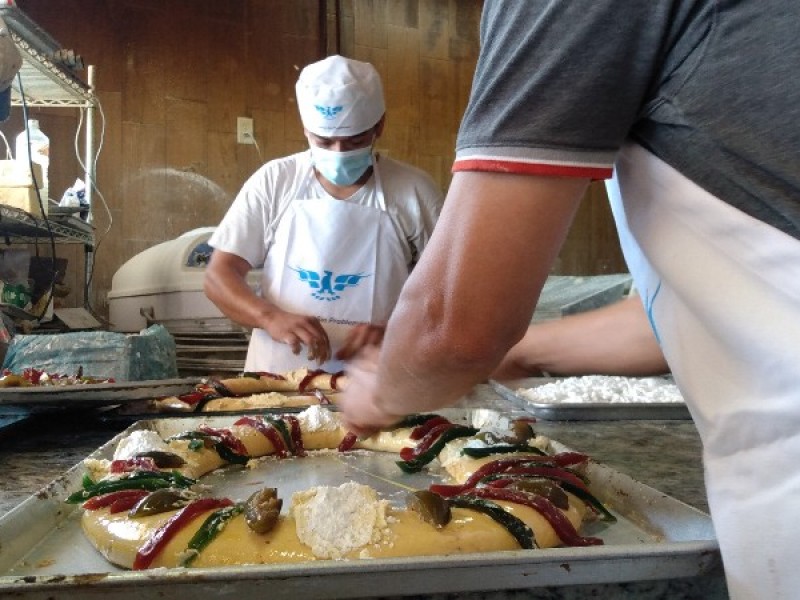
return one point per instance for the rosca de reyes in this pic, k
(500, 490)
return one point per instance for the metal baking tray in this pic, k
(587, 411)
(43, 553)
(94, 394)
(481, 396)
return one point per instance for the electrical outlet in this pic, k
(244, 130)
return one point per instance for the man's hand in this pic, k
(359, 403)
(298, 331)
(360, 337)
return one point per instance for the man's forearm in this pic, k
(472, 294)
(226, 286)
(613, 340)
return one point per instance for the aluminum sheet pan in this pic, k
(482, 396)
(43, 553)
(587, 411)
(94, 394)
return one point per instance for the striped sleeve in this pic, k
(559, 85)
(531, 161)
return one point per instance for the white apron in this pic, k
(722, 291)
(338, 261)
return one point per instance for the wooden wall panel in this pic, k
(173, 76)
(371, 17)
(434, 22)
(143, 186)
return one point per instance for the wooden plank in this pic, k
(144, 190)
(434, 25)
(186, 53)
(262, 70)
(190, 196)
(223, 170)
(370, 18)
(112, 251)
(270, 134)
(184, 123)
(403, 13)
(401, 78)
(439, 114)
(466, 18)
(143, 44)
(437, 167)
(227, 75)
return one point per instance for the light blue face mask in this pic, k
(341, 168)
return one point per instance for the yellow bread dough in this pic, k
(265, 400)
(118, 537)
(393, 532)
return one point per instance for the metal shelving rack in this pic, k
(27, 228)
(48, 81)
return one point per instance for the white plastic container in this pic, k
(166, 283)
(39, 153)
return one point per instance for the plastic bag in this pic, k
(75, 197)
(147, 356)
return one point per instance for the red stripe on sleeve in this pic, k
(525, 168)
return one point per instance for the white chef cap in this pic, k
(339, 97)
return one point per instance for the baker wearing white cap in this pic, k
(336, 230)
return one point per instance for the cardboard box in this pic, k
(23, 198)
(14, 173)
(17, 189)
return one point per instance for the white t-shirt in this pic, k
(412, 199)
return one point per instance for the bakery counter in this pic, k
(662, 454)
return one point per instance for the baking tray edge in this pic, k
(328, 579)
(596, 411)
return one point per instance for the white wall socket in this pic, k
(244, 130)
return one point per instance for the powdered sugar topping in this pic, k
(142, 440)
(318, 418)
(609, 389)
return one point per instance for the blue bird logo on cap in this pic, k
(328, 112)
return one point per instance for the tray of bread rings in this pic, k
(219, 400)
(88, 395)
(314, 512)
(245, 393)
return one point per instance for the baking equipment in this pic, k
(586, 411)
(164, 285)
(44, 554)
(93, 395)
(481, 397)
(203, 351)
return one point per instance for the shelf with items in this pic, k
(26, 228)
(48, 71)
(49, 78)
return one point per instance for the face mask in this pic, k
(341, 168)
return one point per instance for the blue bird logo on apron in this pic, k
(326, 286)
